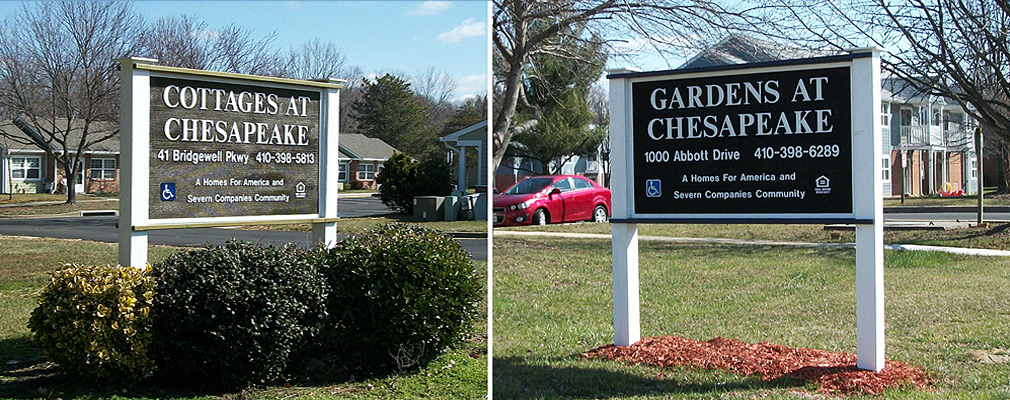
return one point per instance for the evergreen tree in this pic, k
(558, 89)
(470, 112)
(388, 110)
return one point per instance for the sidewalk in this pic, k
(941, 209)
(54, 202)
(953, 250)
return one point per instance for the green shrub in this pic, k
(400, 295)
(403, 178)
(94, 322)
(230, 316)
(399, 183)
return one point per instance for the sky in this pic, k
(405, 37)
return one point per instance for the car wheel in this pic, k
(600, 214)
(539, 217)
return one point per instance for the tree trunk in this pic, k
(71, 178)
(1003, 166)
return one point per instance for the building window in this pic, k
(885, 174)
(974, 169)
(366, 172)
(103, 169)
(885, 114)
(28, 168)
(906, 117)
(342, 172)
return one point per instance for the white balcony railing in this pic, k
(914, 135)
(954, 135)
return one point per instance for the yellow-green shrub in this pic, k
(94, 322)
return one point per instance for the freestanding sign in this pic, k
(202, 148)
(765, 144)
(232, 150)
(794, 141)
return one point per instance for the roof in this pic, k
(97, 129)
(742, 49)
(476, 131)
(358, 146)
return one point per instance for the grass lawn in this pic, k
(25, 373)
(552, 302)
(964, 201)
(56, 209)
(995, 236)
(32, 197)
(358, 225)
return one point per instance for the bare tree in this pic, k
(57, 74)
(434, 85)
(191, 43)
(434, 91)
(180, 42)
(522, 28)
(951, 48)
(317, 60)
(948, 48)
(349, 95)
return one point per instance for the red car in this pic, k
(540, 200)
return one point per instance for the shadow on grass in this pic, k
(26, 373)
(514, 378)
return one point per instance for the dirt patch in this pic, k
(833, 373)
(995, 356)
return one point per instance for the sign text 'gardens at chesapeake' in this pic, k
(226, 149)
(743, 144)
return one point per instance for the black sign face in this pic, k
(226, 150)
(764, 143)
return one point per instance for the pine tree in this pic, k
(389, 111)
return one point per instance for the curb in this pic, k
(906, 247)
(940, 209)
(467, 235)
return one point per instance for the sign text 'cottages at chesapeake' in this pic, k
(225, 149)
(752, 143)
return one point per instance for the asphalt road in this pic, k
(946, 216)
(103, 229)
(354, 207)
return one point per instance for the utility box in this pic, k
(428, 208)
(451, 204)
(480, 207)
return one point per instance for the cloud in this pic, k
(430, 8)
(469, 28)
(293, 5)
(472, 84)
(464, 98)
(204, 34)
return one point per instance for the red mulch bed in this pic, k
(834, 373)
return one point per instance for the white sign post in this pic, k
(205, 149)
(795, 141)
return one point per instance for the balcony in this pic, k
(914, 136)
(956, 135)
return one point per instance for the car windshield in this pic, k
(529, 186)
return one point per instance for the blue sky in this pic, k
(387, 36)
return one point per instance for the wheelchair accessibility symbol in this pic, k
(168, 191)
(653, 188)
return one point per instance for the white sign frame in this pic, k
(867, 202)
(135, 108)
